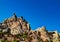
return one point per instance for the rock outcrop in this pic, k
(16, 25)
(16, 29)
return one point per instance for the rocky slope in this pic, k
(18, 30)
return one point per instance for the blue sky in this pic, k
(37, 12)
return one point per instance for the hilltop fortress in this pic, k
(19, 29)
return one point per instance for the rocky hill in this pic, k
(16, 29)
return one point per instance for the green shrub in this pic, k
(4, 40)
